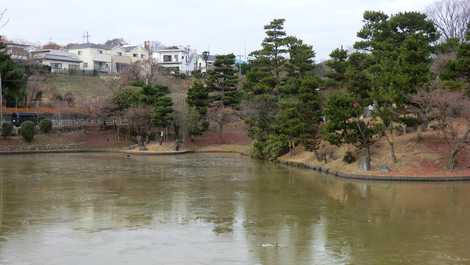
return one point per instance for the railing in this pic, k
(45, 110)
(81, 72)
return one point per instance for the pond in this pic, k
(93, 209)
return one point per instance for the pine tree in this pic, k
(400, 47)
(283, 104)
(198, 100)
(13, 78)
(264, 76)
(459, 69)
(222, 83)
(345, 124)
(338, 64)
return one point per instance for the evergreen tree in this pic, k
(198, 100)
(274, 47)
(401, 48)
(222, 83)
(146, 98)
(162, 112)
(13, 78)
(358, 79)
(299, 116)
(459, 69)
(345, 124)
(264, 76)
(338, 65)
(283, 103)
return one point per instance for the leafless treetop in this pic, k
(451, 17)
(3, 19)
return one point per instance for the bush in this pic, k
(27, 131)
(410, 122)
(152, 136)
(349, 157)
(45, 126)
(274, 147)
(7, 129)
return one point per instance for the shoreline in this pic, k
(319, 169)
(397, 178)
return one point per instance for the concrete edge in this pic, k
(71, 151)
(344, 175)
(220, 152)
(151, 153)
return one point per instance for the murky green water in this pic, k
(93, 209)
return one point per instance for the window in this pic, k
(85, 65)
(56, 65)
(135, 54)
(142, 56)
(119, 53)
(167, 58)
(79, 53)
(176, 58)
(100, 51)
(182, 57)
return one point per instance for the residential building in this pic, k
(58, 61)
(93, 57)
(102, 59)
(177, 59)
(119, 60)
(18, 50)
(136, 53)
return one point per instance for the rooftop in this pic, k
(56, 55)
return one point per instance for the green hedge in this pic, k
(7, 129)
(27, 131)
(45, 126)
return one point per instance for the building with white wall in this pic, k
(93, 57)
(58, 61)
(105, 60)
(177, 59)
(136, 53)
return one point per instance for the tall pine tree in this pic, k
(222, 83)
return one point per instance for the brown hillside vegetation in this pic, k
(427, 157)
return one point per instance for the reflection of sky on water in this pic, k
(205, 209)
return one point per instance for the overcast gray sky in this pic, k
(221, 25)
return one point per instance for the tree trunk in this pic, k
(367, 163)
(391, 143)
(291, 148)
(392, 151)
(317, 155)
(419, 136)
(452, 162)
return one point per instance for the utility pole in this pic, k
(86, 37)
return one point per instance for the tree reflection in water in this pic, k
(221, 209)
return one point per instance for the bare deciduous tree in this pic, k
(452, 112)
(3, 19)
(140, 122)
(421, 105)
(451, 17)
(132, 73)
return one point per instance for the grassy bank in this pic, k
(427, 157)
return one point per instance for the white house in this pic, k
(176, 58)
(105, 60)
(136, 53)
(19, 51)
(93, 57)
(58, 61)
(119, 60)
